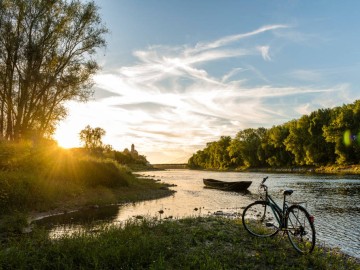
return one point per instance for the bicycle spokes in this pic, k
(300, 229)
(259, 219)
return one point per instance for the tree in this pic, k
(345, 122)
(298, 139)
(199, 160)
(274, 148)
(319, 150)
(247, 144)
(91, 137)
(219, 154)
(46, 58)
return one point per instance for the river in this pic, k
(334, 200)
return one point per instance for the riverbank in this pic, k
(330, 169)
(46, 180)
(140, 189)
(191, 243)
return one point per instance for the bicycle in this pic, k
(265, 218)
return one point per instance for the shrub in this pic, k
(32, 177)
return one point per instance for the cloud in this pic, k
(304, 108)
(264, 50)
(158, 63)
(149, 107)
(233, 38)
(167, 134)
(232, 73)
(307, 75)
(172, 101)
(103, 93)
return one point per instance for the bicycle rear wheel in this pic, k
(300, 229)
(260, 219)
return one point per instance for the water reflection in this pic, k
(333, 200)
(85, 216)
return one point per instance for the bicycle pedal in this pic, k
(269, 224)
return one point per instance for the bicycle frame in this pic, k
(277, 210)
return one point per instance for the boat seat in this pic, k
(288, 192)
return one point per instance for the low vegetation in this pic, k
(43, 177)
(193, 243)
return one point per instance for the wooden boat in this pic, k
(234, 186)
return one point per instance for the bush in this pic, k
(92, 172)
(13, 155)
(36, 177)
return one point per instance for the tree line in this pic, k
(324, 137)
(91, 139)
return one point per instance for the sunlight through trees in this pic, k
(46, 58)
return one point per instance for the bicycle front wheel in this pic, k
(300, 229)
(260, 219)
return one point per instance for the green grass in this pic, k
(48, 178)
(194, 243)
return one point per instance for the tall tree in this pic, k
(247, 145)
(92, 137)
(46, 58)
(344, 132)
(274, 148)
(319, 151)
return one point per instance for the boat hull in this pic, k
(223, 185)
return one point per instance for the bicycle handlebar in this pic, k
(263, 181)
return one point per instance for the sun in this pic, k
(67, 138)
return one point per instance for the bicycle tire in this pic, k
(300, 229)
(259, 219)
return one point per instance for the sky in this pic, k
(177, 74)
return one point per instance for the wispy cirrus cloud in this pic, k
(233, 38)
(159, 62)
(172, 98)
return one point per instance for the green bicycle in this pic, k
(265, 218)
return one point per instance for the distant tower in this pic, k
(133, 152)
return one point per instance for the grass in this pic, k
(192, 243)
(46, 178)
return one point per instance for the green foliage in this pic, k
(249, 146)
(32, 176)
(85, 171)
(345, 120)
(13, 224)
(274, 147)
(92, 138)
(324, 137)
(13, 155)
(214, 156)
(47, 58)
(194, 243)
(127, 158)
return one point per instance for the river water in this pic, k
(334, 200)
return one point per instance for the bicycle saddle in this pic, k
(288, 192)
